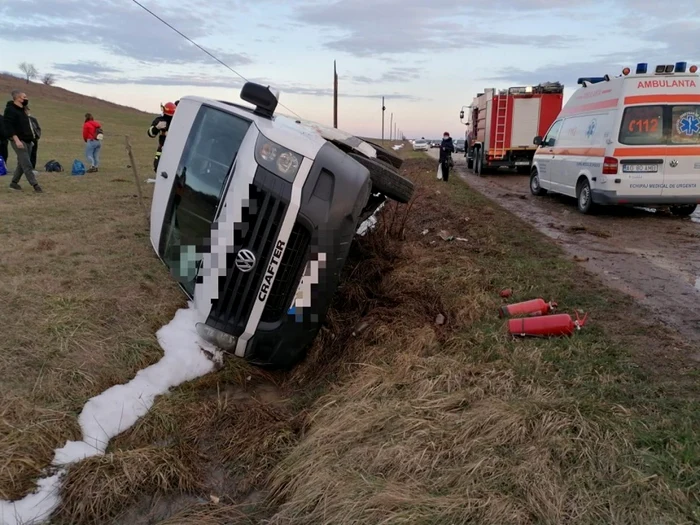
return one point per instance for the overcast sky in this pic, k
(427, 57)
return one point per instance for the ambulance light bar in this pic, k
(662, 69)
(590, 80)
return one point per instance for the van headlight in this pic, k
(277, 159)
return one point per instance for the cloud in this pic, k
(395, 74)
(198, 81)
(86, 67)
(664, 44)
(117, 26)
(382, 27)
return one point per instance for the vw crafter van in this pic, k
(630, 140)
(254, 214)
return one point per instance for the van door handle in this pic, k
(164, 174)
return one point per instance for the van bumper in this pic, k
(612, 197)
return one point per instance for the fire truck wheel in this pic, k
(535, 187)
(386, 179)
(683, 211)
(478, 163)
(584, 198)
(470, 163)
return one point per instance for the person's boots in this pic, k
(37, 189)
(15, 186)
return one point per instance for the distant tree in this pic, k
(29, 71)
(49, 79)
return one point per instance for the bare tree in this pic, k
(29, 71)
(49, 79)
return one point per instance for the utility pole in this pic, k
(335, 97)
(391, 127)
(383, 109)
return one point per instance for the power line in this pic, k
(201, 48)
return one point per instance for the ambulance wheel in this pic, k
(584, 197)
(535, 187)
(683, 211)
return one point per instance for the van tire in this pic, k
(683, 211)
(584, 198)
(386, 180)
(535, 187)
(386, 155)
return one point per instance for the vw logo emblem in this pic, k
(245, 260)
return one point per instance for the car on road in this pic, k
(632, 140)
(421, 145)
(254, 213)
(459, 146)
(434, 143)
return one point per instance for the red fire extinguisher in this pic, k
(546, 325)
(532, 307)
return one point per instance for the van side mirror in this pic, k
(550, 142)
(537, 140)
(461, 115)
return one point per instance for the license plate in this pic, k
(522, 163)
(640, 168)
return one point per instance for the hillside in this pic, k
(61, 114)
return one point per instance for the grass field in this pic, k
(395, 417)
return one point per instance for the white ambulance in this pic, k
(630, 140)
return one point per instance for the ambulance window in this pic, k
(685, 125)
(553, 132)
(642, 125)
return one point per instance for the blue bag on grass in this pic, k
(78, 168)
(3, 168)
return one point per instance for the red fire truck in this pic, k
(501, 125)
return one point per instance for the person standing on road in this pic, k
(36, 130)
(19, 132)
(92, 131)
(446, 150)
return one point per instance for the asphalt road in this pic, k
(652, 256)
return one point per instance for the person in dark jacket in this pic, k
(159, 127)
(3, 140)
(36, 129)
(19, 132)
(446, 150)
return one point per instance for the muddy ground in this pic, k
(652, 256)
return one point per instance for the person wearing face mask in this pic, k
(18, 130)
(446, 150)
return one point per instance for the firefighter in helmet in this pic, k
(159, 127)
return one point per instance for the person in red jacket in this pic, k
(92, 136)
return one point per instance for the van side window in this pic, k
(685, 125)
(552, 133)
(642, 126)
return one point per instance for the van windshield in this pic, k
(200, 179)
(660, 125)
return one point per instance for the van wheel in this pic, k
(385, 179)
(584, 197)
(683, 211)
(535, 187)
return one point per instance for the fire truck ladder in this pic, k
(501, 125)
